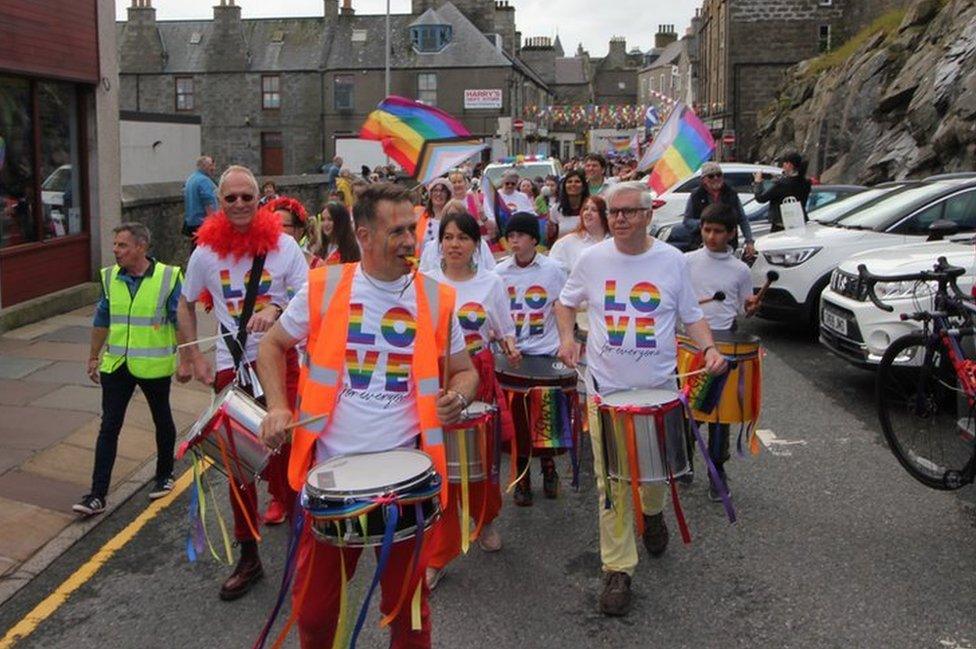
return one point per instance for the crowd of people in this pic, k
(342, 289)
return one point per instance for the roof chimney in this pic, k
(666, 35)
(347, 9)
(141, 46)
(331, 8)
(226, 49)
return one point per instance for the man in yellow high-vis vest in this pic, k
(136, 318)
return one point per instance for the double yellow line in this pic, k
(29, 623)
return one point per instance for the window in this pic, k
(961, 210)
(342, 89)
(271, 92)
(824, 38)
(40, 188)
(430, 38)
(427, 88)
(184, 93)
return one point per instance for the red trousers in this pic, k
(445, 538)
(276, 473)
(319, 565)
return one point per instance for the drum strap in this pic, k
(237, 344)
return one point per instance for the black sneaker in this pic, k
(615, 598)
(523, 493)
(713, 492)
(655, 534)
(89, 506)
(550, 479)
(686, 479)
(162, 488)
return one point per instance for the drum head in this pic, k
(368, 474)
(540, 369)
(735, 338)
(641, 398)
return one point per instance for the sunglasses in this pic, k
(233, 198)
(713, 176)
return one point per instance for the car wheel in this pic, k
(813, 305)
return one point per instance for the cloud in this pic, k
(576, 21)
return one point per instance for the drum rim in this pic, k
(725, 338)
(608, 406)
(373, 540)
(508, 371)
(397, 488)
(196, 430)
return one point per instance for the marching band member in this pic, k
(715, 269)
(592, 229)
(373, 357)
(482, 308)
(637, 289)
(533, 282)
(227, 244)
(430, 257)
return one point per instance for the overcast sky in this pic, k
(574, 20)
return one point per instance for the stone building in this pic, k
(614, 76)
(274, 94)
(670, 72)
(747, 45)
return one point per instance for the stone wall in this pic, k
(159, 207)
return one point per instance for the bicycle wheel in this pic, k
(926, 419)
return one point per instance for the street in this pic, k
(835, 546)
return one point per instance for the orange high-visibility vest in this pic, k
(423, 218)
(329, 294)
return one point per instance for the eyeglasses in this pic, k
(713, 176)
(629, 213)
(233, 198)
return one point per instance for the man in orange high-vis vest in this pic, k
(377, 337)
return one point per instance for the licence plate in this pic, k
(833, 321)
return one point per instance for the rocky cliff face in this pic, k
(902, 105)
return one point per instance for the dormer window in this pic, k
(430, 38)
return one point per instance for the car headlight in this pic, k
(663, 233)
(895, 290)
(791, 257)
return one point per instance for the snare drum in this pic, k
(473, 435)
(739, 400)
(659, 420)
(548, 390)
(228, 435)
(345, 496)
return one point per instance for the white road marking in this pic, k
(775, 445)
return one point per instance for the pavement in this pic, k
(49, 418)
(835, 546)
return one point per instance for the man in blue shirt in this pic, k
(199, 196)
(331, 172)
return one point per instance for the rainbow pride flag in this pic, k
(424, 140)
(683, 145)
(493, 204)
(622, 144)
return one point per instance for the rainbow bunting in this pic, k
(424, 140)
(683, 145)
(622, 144)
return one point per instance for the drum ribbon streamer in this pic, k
(198, 497)
(288, 574)
(547, 408)
(482, 423)
(723, 490)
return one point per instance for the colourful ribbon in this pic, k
(294, 536)
(712, 471)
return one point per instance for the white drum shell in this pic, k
(650, 461)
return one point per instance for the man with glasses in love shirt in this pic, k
(642, 288)
(228, 244)
(714, 190)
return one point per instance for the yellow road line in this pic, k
(29, 623)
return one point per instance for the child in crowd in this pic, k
(715, 269)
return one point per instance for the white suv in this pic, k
(738, 176)
(529, 167)
(805, 257)
(855, 329)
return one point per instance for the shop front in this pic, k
(49, 73)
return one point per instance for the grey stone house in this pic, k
(746, 45)
(273, 94)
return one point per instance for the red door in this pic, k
(272, 155)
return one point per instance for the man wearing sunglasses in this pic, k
(515, 200)
(636, 290)
(230, 247)
(714, 190)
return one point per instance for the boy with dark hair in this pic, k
(715, 269)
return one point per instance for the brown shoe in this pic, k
(655, 534)
(615, 598)
(523, 493)
(245, 575)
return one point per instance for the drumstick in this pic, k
(305, 422)
(718, 297)
(771, 277)
(206, 340)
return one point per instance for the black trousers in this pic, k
(117, 390)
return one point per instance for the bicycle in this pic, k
(926, 386)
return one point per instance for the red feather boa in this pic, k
(219, 235)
